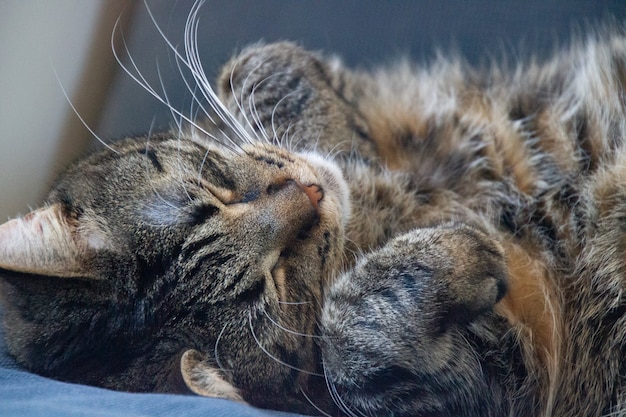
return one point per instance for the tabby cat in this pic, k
(435, 241)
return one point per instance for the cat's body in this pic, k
(412, 242)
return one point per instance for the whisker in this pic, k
(69, 101)
(193, 62)
(175, 116)
(357, 252)
(258, 342)
(274, 113)
(216, 353)
(146, 163)
(154, 190)
(336, 397)
(299, 138)
(178, 122)
(294, 134)
(150, 130)
(201, 107)
(252, 104)
(180, 166)
(254, 111)
(280, 326)
(322, 412)
(335, 150)
(232, 89)
(195, 108)
(319, 136)
(138, 77)
(206, 154)
(294, 303)
(239, 100)
(192, 91)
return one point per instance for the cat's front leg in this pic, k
(298, 99)
(403, 330)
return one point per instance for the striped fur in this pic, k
(435, 241)
(533, 158)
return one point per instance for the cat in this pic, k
(435, 241)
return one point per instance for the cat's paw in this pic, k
(282, 89)
(399, 322)
(442, 276)
(275, 86)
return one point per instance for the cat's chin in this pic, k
(333, 182)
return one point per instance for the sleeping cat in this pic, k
(435, 241)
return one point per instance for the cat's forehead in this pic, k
(168, 168)
(170, 153)
(167, 153)
(150, 158)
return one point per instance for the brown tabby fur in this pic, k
(477, 268)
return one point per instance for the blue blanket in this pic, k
(28, 395)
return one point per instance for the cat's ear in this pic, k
(205, 380)
(45, 242)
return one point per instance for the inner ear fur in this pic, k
(205, 380)
(46, 242)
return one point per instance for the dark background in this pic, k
(363, 33)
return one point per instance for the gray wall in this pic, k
(364, 33)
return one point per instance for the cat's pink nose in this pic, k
(314, 192)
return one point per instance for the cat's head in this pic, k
(203, 262)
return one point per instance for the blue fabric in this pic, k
(23, 394)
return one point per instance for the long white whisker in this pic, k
(252, 104)
(335, 150)
(274, 113)
(253, 109)
(254, 113)
(294, 303)
(176, 117)
(150, 130)
(288, 138)
(322, 412)
(319, 134)
(180, 166)
(293, 134)
(205, 112)
(179, 125)
(175, 207)
(140, 79)
(193, 90)
(331, 387)
(196, 99)
(334, 394)
(275, 323)
(69, 101)
(194, 64)
(154, 190)
(239, 100)
(216, 353)
(206, 155)
(258, 342)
